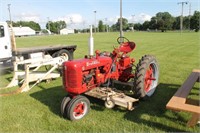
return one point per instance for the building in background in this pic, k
(23, 31)
(66, 31)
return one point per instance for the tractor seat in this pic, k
(127, 47)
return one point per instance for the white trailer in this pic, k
(31, 60)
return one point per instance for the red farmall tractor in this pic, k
(96, 76)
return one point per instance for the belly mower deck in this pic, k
(112, 97)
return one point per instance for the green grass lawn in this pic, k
(39, 109)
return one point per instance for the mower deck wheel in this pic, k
(109, 104)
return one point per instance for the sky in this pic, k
(80, 13)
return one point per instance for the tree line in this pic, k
(162, 21)
(33, 25)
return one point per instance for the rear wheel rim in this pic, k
(148, 77)
(65, 56)
(151, 79)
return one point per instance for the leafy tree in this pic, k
(124, 23)
(195, 21)
(113, 27)
(176, 23)
(61, 24)
(153, 24)
(186, 22)
(101, 26)
(51, 26)
(130, 25)
(164, 21)
(55, 27)
(146, 25)
(138, 26)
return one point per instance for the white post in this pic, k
(95, 18)
(13, 42)
(91, 43)
(121, 26)
(133, 21)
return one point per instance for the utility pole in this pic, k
(106, 19)
(133, 21)
(9, 14)
(189, 15)
(181, 17)
(83, 26)
(71, 23)
(48, 24)
(156, 23)
(95, 12)
(121, 31)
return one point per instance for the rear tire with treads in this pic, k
(65, 53)
(146, 77)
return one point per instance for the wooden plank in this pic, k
(177, 103)
(193, 121)
(185, 89)
(197, 71)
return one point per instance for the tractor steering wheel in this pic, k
(124, 38)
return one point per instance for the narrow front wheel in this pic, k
(77, 108)
(64, 104)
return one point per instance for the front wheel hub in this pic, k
(79, 109)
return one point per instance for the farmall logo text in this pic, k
(92, 63)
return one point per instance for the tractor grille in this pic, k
(72, 80)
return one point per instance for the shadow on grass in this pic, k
(51, 97)
(6, 71)
(155, 107)
(152, 112)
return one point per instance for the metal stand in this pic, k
(36, 75)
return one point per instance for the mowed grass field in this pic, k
(39, 109)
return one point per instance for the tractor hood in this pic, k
(87, 64)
